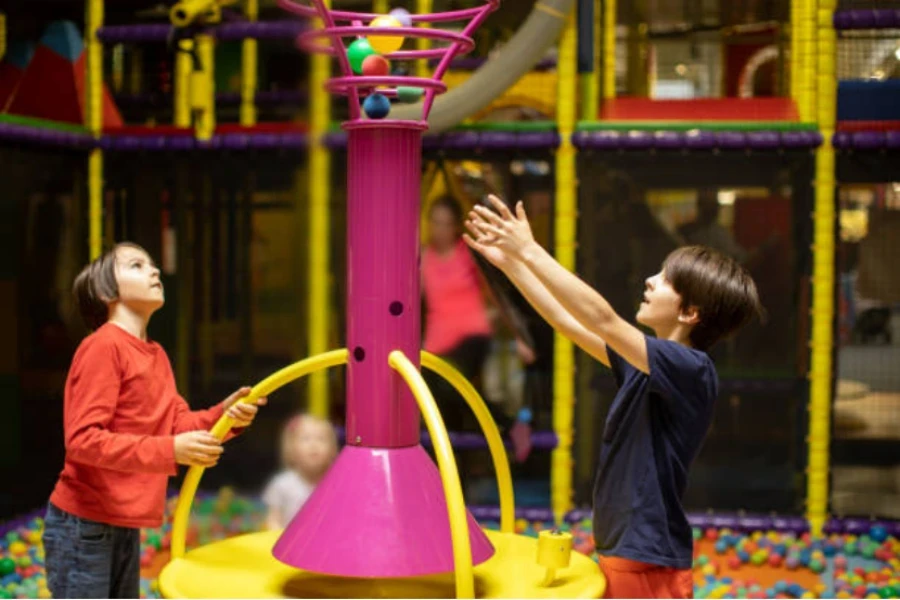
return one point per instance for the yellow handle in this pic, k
(224, 425)
(456, 508)
(491, 434)
(554, 552)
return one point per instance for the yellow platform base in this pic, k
(243, 567)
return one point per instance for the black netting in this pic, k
(637, 207)
(869, 54)
(866, 445)
(867, 4)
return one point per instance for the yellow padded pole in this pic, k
(94, 122)
(319, 266)
(249, 61)
(565, 231)
(821, 373)
(609, 50)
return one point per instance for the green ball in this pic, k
(7, 566)
(696, 530)
(759, 557)
(887, 592)
(702, 560)
(25, 562)
(817, 566)
(357, 52)
(5, 594)
(412, 94)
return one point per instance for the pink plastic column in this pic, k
(384, 174)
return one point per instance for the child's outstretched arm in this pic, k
(512, 234)
(543, 301)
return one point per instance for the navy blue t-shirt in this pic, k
(655, 428)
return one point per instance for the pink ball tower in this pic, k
(380, 511)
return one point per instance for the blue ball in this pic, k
(795, 589)
(743, 555)
(878, 533)
(805, 556)
(377, 106)
(721, 547)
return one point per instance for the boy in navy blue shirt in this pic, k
(667, 389)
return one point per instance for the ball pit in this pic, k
(794, 566)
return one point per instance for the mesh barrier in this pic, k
(637, 207)
(866, 470)
(870, 54)
(867, 4)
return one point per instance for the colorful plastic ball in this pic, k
(377, 106)
(734, 562)
(792, 562)
(357, 52)
(878, 533)
(7, 566)
(409, 95)
(759, 557)
(743, 555)
(711, 534)
(385, 44)
(775, 560)
(375, 65)
(402, 15)
(721, 546)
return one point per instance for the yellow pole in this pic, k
(94, 122)
(381, 7)
(184, 66)
(249, 60)
(821, 368)
(590, 83)
(2, 35)
(319, 245)
(609, 50)
(806, 78)
(794, 65)
(423, 7)
(203, 88)
(565, 227)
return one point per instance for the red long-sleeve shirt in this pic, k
(122, 412)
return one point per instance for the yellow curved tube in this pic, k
(456, 508)
(491, 434)
(224, 425)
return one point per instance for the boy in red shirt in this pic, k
(126, 429)
(667, 388)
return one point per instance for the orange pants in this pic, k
(632, 579)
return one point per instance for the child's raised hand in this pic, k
(197, 449)
(494, 255)
(502, 229)
(242, 413)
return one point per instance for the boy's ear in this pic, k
(689, 316)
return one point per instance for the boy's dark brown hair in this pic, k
(721, 289)
(95, 287)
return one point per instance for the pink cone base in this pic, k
(380, 512)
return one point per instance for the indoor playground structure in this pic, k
(258, 146)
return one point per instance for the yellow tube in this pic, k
(94, 118)
(821, 367)
(794, 64)
(203, 88)
(456, 508)
(2, 35)
(423, 7)
(249, 60)
(491, 434)
(184, 66)
(806, 78)
(564, 236)
(609, 50)
(224, 424)
(590, 82)
(319, 227)
(380, 7)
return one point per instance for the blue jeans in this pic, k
(87, 559)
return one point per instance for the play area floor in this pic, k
(726, 564)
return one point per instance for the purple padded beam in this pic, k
(540, 440)
(866, 140)
(695, 140)
(270, 30)
(879, 18)
(484, 141)
(25, 134)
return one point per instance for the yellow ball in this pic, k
(808, 595)
(44, 593)
(385, 44)
(18, 548)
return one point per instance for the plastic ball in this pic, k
(18, 548)
(721, 546)
(408, 94)
(775, 560)
(817, 566)
(792, 562)
(734, 562)
(385, 44)
(377, 106)
(375, 65)
(709, 569)
(695, 531)
(402, 15)
(7, 566)
(759, 557)
(357, 52)
(711, 534)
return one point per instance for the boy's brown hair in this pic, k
(721, 289)
(96, 286)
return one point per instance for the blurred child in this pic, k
(308, 447)
(126, 429)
